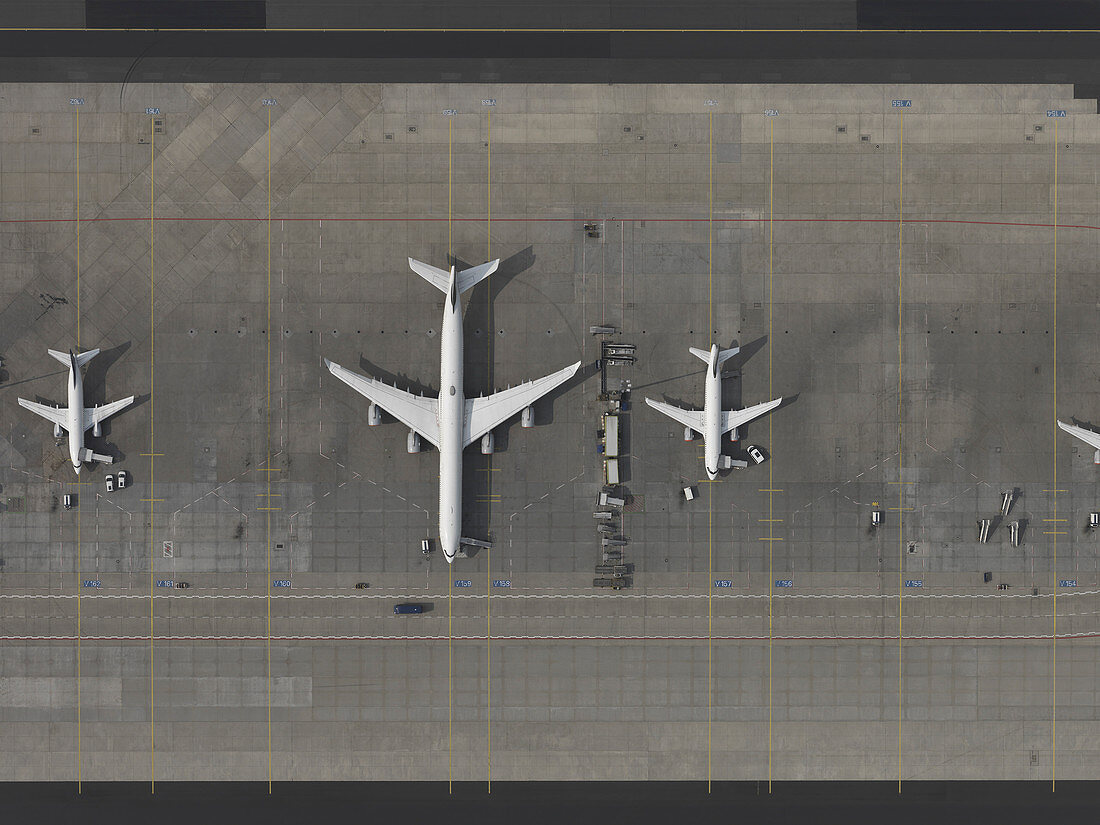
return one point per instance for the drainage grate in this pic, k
(17, 504)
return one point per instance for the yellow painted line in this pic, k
(152, 540)
(770, 538)
(901, 439)
(1054, 553)
(1056, 519)
(268, 508)
(770, 519)
(152, 499)
(1055, 533)
(272, 495)
(901, 509)
(769, 490)
(269, 470)
(488, 469)
(151, 455)
(79, 559)
(901, 482)
(1055, 491)
(269, 494)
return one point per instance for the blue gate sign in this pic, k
(784, 583)
(280, 583)
(502, 582)
(463, 583)
(901, 104)
(914, 582)
(723, 583)
(164, 583)
(1056, 112)
(91, 582)
(1067, 582)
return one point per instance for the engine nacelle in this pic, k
(487, 443)
(734, 435)
(527, 417)
(1096, 457)
(413, 442)
(374, 415)
(689, 434)
(97, 428)
(57, 431)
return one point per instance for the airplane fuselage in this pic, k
(75, 415)
(452, 412)
(712, 415)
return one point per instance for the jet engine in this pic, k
(689, 434)
(413, 442)
(97, 428)
(1096, 457)
(487, 443)
(734, 435)
(527, 417)
(57, 431)
(374, 415)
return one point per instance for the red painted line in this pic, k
(373, 638)
(891, 221)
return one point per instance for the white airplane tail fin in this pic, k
(726, 354)
(723, 355)
(81, 359)
(469, 278)
(441, 278)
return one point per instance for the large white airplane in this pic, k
(712, 421)
(451, 422)
(76, 418)
(1090, 437)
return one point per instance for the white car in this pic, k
(122, 480)
(755, 454)
(109, 480)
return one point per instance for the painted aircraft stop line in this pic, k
(1090, 437)
(76, 418)
(712, 421)
(451, 422)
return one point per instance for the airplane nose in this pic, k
(712, 474)
(76, 467)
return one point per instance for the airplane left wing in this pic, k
(93, 415)
(735, 418)
(689, 418)
(482, 414)
(1090, 437)
(415, 411)
(54, 414)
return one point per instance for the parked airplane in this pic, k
(1090, 437)
(451, 422)
(712, 421)
(76, 418)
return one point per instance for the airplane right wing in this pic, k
(486, 412)
(415, 411)
(94, 415)
(735, 418)
(689, 418)
(54, 414)
(1090, 437)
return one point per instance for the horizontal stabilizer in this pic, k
(723, 355)
(81, 359)
(441, 278)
